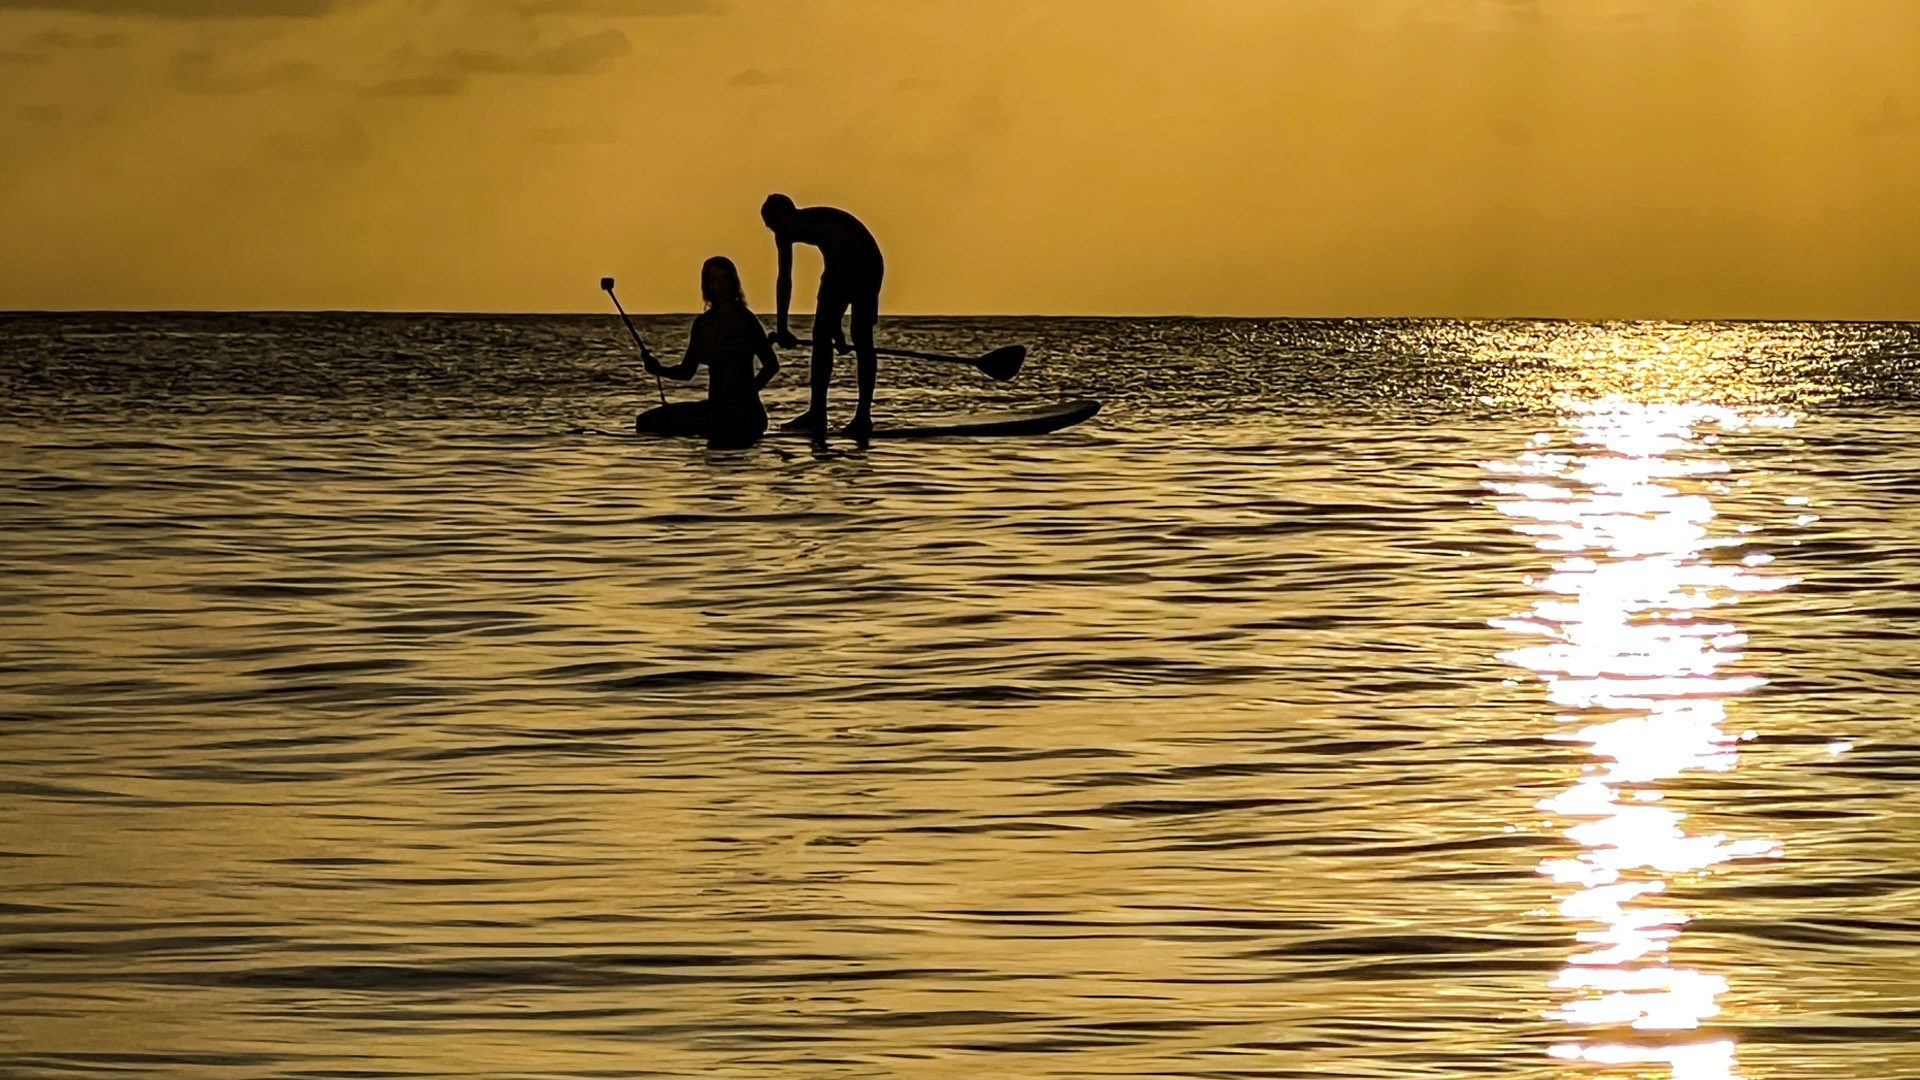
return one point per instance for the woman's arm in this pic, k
(769, 361)
(679, 372)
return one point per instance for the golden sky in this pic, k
(1582, 158)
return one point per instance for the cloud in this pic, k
(197, 72)
(757, 77)
(434, 85)
(346, 143)
(943, 143)
(985, 113)
(1512, 132)
(38, 49)
(181, 9)
(1525, 16)
(450, 72)
(1891, 118)
(67, 39)
(642, 8)
(48, 115)
(579, 135)
(1522, 12)
(306, 9)
(574, 57)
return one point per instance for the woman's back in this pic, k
(726, 338)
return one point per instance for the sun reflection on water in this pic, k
(1630, 645)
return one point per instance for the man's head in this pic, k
(777, 211)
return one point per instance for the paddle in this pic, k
(999, 365)
(606, 283)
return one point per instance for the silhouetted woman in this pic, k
(726, 337)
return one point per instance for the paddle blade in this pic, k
(1002, 364)
(606, 284)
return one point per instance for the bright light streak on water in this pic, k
(1629, 649)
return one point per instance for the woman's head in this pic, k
(720, 283)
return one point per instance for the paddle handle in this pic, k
(641, 345)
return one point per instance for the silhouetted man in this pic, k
(851, 280)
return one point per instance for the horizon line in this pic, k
(808, 316)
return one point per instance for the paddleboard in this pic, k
(986, 425)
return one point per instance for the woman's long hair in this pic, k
(720, 283)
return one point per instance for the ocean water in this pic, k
(1354, 698)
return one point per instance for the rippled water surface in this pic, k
(1359, 699)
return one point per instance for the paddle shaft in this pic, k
(641, 345)
(913, 355)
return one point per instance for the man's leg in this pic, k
(826, 320)
(866, 312)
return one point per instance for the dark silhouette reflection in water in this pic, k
(1638, 653)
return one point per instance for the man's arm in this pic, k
(783, 293)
